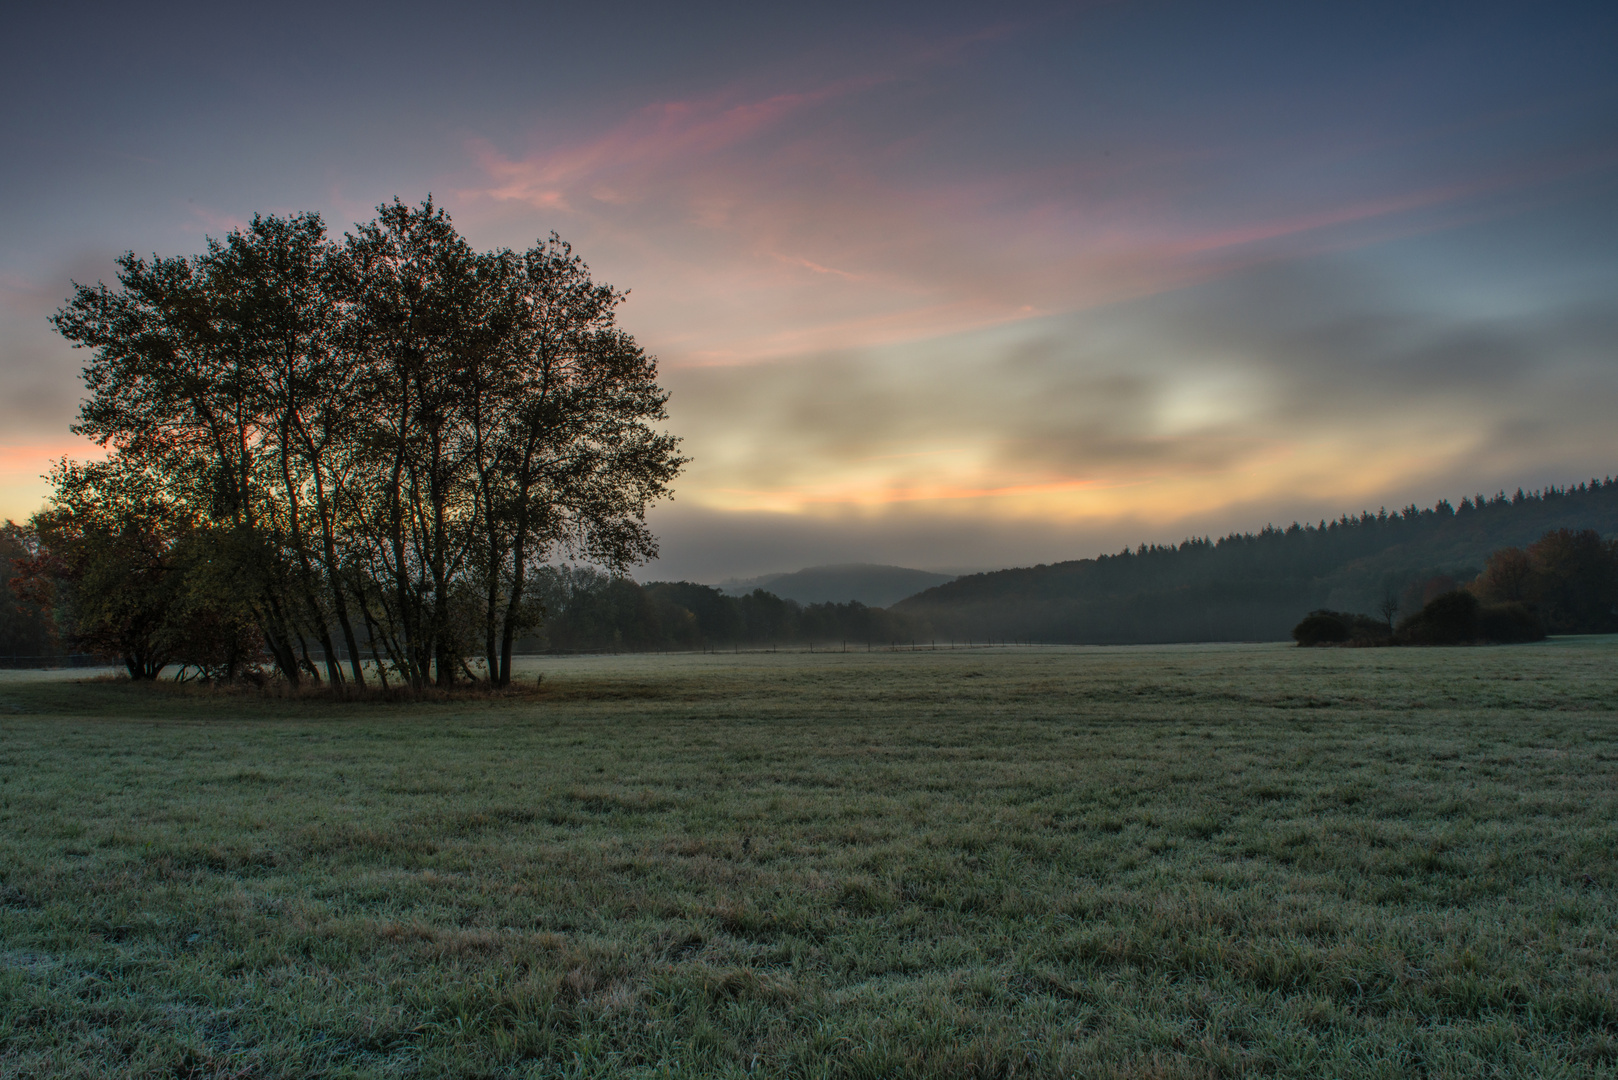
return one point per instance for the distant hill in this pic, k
(870, 584)
(1253, 586)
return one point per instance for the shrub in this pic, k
(1339, 628)
(1508, 623)
(1449, 619)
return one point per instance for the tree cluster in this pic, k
(347, 455)
(1564, 583)
(1568, 578)
(591, 611)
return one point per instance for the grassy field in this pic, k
(1179, 861)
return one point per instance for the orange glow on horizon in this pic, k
(23, 467)
(1279, 473)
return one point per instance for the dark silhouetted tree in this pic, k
(1574, 581)
(380, 438)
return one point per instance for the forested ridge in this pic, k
(1256, 586)
(1246, 586)
(869, 583)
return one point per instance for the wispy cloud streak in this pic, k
(780, 223)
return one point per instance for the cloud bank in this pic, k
(927, 287)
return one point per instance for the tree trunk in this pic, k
(333, 578)
(508, 632)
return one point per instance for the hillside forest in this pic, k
(1257, 586)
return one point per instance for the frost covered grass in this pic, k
(1177, 861)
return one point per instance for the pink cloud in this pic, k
(654, 137)
(757, 226)
(665, 132)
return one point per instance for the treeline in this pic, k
(29, 631)
(1253, 586)
(579, 609)
(1564, 583)
(342, 458)
(591, 611)
(1256, 586)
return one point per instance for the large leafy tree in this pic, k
(379, 438)
(571, 461)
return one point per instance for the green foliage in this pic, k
(1164, 861)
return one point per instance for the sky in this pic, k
(952, 286)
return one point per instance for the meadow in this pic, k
(1153, 861)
